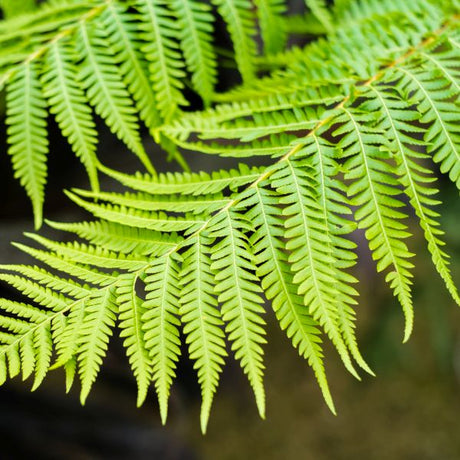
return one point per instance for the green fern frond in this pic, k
(160, 323)
(347, 137)
(320, 10)
(132, 310)
(106, 92)
(68, 103)
(100, 309)
(239, 294)
(374, 190)
(195, 31)
(202, 320)
(277, 281)
(240, 19)
(27, 134)
(270, 14)
(153, 45)
(121, 238)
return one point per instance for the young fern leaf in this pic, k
(195, 31)
(68, 103)
(161, 322)
(311, 258)
(27, 134)
(276, 280)
(374, 190)
(240, 20)
(131, 312)
(239, 293)
(202, 320)
(106, 91)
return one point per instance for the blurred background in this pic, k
(411, 410)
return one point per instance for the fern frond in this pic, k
(202, 204)
(121, 238)
(160, 323)
(166, 69)
(311, 259)
(274, 271)
(272, 25)
(438, 86)
(195, 31)
(93, 336)
(158, 221)
(415, 177)
(132, 310)
(240, 19)
(202, 320)
(121, 29)
(320, 10)
(106, 92)
(347, 131)
(68, 103)
(27, 134)
(239, 293)
(200, 183)
(374, 190)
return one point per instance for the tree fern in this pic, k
(348, 128)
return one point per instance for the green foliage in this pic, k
(349, 127)
(130, 62)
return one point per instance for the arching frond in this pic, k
(351, 129)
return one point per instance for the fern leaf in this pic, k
(239, 17)
(195, 31)
(319, 9)
(187, 183)
(81, 271)
(121, 238)
(27, 135)
(93, 337)
(158, 31)
(66, 336)
(160, 323)
(202, 323)
(239, 293)
(121, 29)
(335, 207)
(272, 27)
(105, 90)
(435, 95)
(374, 190)
(204, 204)
(138, 218)
(273, 269)
(131, 312)
(310, 258)
(68, 103)
(415, 179)
(92, 255)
